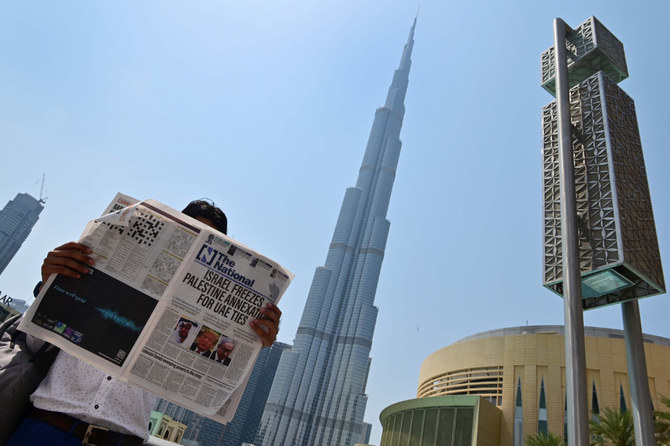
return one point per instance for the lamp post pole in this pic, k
(575, 356)
(637, 374)
(619, 259)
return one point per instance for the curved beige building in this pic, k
(521, 371)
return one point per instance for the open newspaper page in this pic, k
(167, 305)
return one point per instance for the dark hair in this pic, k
(205, 208)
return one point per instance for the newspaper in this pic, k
(166, 307)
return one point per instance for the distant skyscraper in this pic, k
(243, 428)
(318, 395)
(16, 220)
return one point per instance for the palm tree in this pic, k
(663, 423)
(614, 429)
(543, 439)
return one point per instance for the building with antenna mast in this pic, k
(17, 219)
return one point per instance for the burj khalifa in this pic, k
(318, 394)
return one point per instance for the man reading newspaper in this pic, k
(77, 402)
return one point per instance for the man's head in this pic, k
(224, 349)
(206, 339)
(184, 328)
(205, 211)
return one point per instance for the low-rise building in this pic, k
(519, 373)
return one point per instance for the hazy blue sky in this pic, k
(265, 107)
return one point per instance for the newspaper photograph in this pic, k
(166, 306)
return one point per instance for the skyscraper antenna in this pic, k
(42, 199)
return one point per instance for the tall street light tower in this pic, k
(600, 244)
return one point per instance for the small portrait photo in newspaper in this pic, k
(223, 350)
(205, 341)
(184, 332)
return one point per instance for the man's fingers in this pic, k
(73, 245)
(70, 259)
(60, 263)
(64, 271)
(266, 337)
(268, 328)
(72, 250)
(275, 309)
(272, 315)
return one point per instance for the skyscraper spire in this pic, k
(318, 395)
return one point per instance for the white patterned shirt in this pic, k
(84, 392)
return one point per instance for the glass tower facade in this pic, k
(243, 427)
(318, 395)
(17, 219)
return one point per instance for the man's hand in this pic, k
(267, 329)
(70, 259)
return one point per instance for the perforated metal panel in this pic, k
(617, 235)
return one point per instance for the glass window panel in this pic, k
(386, 432)
(394, 430)
(464, 417)
(404, 430)
(445, 427)
(417, 428)
(595, 407)
(429, 428)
